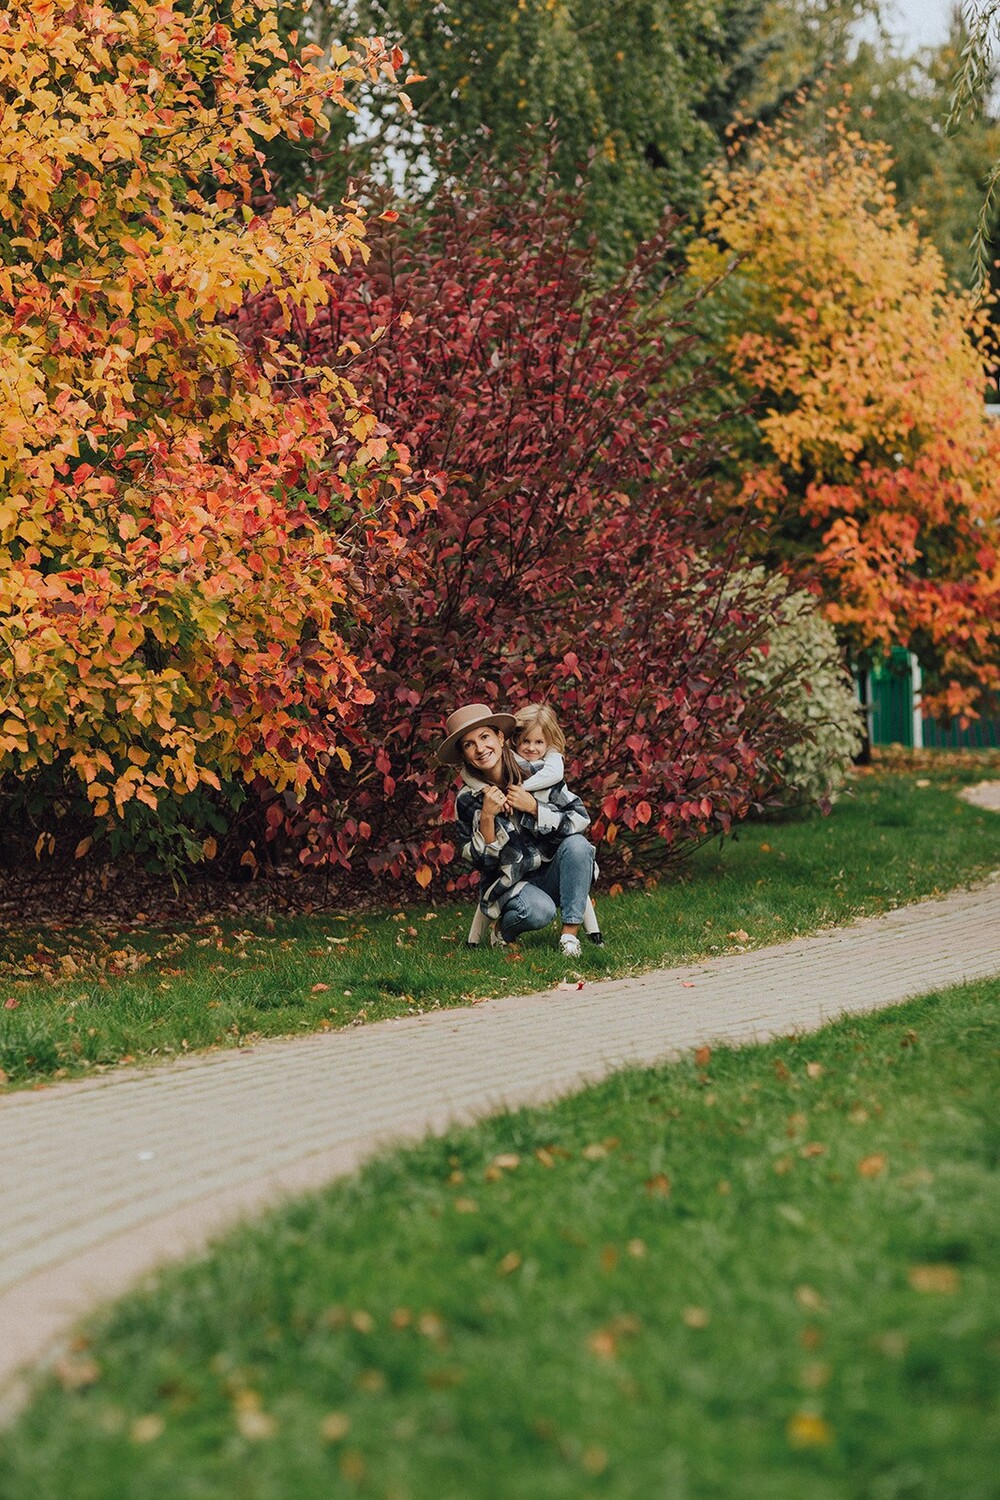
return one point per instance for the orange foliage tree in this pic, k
(874, 455)
(185, 549)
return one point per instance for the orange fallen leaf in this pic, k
(603, 1344)
(319, 989)
(658, 1186)
(510, 1262)
(812, 1148)
(702, 1056)
(423, 876)
(872, 1166)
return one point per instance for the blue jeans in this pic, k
(563, 883)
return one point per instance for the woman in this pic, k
(531, 856)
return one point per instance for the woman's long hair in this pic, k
(512, 775)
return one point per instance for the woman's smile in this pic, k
(483, 749)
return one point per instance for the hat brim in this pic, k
(450, 751)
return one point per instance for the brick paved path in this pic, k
(103, 1180)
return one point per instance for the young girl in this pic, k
(538, 745)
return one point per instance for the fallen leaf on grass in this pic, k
(814, 1070)
(596, 1151)
(809, 1298)
(146, 1429)
(334, 1426)
(658, 1186)
(352, 1465)
(257, 1426)
(872, 1166)
(74, 1374)
(739, 935)
(942, 1279)
(702, 1056)
(432, 1327)
(510, 1263)
(815, 1375)
(812, 1148)
(11, 1004)
(806, 1430)
(603, 1343)
(319, 989)
(696, 1317)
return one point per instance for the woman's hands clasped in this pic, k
(495, 802)
(522, 801)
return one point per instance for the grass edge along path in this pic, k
(71, 1003)
(760, 1273)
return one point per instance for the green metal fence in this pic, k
(891, 693)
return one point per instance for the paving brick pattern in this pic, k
(102, 1181)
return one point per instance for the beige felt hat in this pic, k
(459, 723)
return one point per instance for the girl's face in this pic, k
(532, 744)
(483, 751)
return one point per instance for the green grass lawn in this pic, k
(767, 1274)
(72, 999)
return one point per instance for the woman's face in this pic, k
(483, 751)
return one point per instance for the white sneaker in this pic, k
(569, 945)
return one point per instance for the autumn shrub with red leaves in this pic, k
(576, 555)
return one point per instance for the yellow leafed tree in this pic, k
(875, 455)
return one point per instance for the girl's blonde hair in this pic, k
(540, 714)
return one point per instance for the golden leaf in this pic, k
(806, 1430)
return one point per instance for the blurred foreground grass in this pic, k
(765, 1274)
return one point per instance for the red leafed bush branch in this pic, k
(576, 555)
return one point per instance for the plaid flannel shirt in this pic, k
(522, 844)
